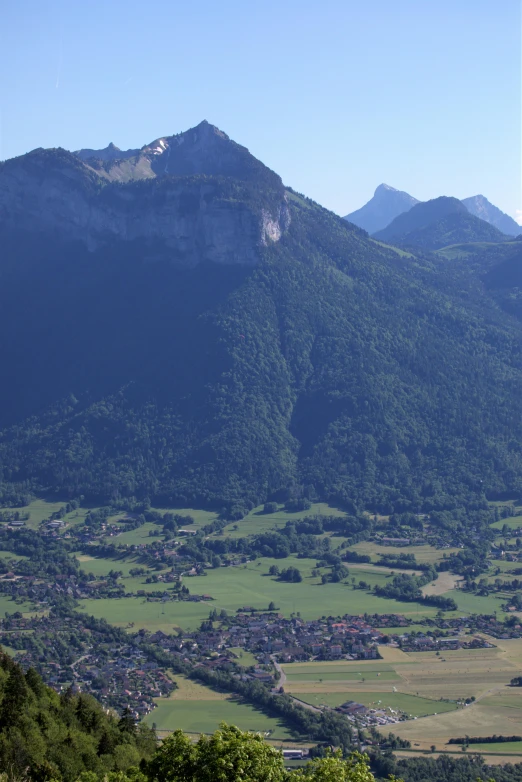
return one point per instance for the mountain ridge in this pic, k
(433, 224)
(321, 364)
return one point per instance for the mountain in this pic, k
(480, 207)
(211, 337)
(386, 204)
(443, 221)
(111, 152)
(495, 268)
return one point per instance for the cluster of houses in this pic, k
(119, 675)
(270, 633)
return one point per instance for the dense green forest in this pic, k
(336, 368)
(52, 736)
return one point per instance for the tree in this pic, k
(127, 723)
(16, 695)
(273, 570)
(233, 755)
(271, 606)
(291, 574)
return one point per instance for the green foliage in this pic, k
(232, 755)
(48, 736)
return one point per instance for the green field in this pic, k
(99, 566)
(257, 521)
(250, 585)
(198, 709)
(139, 536)
(205, 716)
(412, 705)
(246, 659)
(505, 746)
(513, 522)
(475, 604)
(422, 554)
(8, 605)
(168, 617)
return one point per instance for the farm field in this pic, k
(198, 709)
(416, 681)
(167, 617)
(513, 522)
(475, 604)
(7, 605)
(139, 536)
(444, 583)
(257, 521)
(40, 510)
(413, 705)
(422, 554)
(248, 585)
(100, 566)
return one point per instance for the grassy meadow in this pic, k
(198, 709)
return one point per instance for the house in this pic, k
(352, 708)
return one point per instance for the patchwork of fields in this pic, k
(424, 686)
(416, 682)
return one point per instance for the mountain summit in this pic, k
(204, 149)
(197, 180)
(480, 207)
(386, 204)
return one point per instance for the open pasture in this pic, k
(139, 536)
(513, 522)
(101, 566)
(167, 617)
(257, 521)
(422, 554)
(198, 709)
(468, 603)
(250, 586)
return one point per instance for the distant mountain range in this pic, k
(431, 225)
(388, 203)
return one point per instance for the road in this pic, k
(282, 674)
(281, 686)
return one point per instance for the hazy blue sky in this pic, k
(336, 96)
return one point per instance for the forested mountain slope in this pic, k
(259, 345)
(496, 270)
(433, 224)
(47, 736)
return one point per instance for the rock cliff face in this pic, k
(199, 209)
